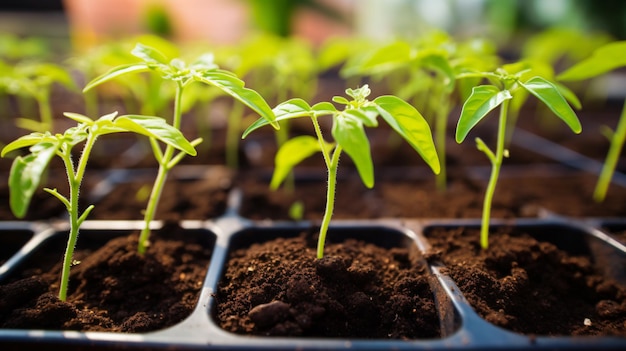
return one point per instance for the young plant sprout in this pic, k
(603, 60)
(290, 65)
(349, 134)
(27, 171)
(506, 83)
(424, 73)
(35, 80)
(142, 94)
(203, 70)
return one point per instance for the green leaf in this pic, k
(349, 133)
(291, 153)
(363, 116)
(484, 99)
(323, 108)
(204, 62)
(149, 54)
(78, 117)
(116, 72)
(341, 100)
(549, 94)
(156, 127)
(26, 141)
(261, 122)
(603, 60)
(569, 95)
(31, 125)
(25, 176)
(234, 87)
(293, 108)
(411, 125)
(387, 58)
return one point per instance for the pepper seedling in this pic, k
(506, 83)
(203, 70)
(603, 60)
(27, 171)
(349, 134)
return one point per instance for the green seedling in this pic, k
(35, 80)
(349, 134)
(144, 94)
(288, 63)
(506, 83)
(603, 60)
(27, 171)
(425, 74)
(176, 71)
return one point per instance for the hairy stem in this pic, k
(496, 163)
(617, 143)
(332, 164)
(75, 179)
(330, 201)
(159, 182)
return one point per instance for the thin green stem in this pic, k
(150, 212)
(320, 138)
(493, 178)
(75, 180)
(617, 143)
(45, 112)
(332, 164)
(159, 182)
(330, 201)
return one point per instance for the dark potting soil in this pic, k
(357, 290)
(202, 198)
(112, 289)
(520, 193)
(530, 286)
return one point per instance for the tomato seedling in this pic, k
(603, 60)
(27, 171)
(349, 134)
(203, 70)
(506, 83)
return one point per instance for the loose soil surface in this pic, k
(357, 290)
(521, 192)
(112, 288)
(201, 197)
(530, 286)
